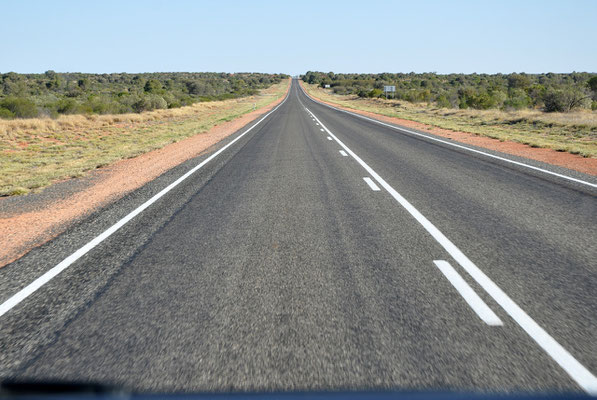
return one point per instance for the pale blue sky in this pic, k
(293, 37)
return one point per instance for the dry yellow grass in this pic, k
(574, 132)
(581, 118)
(35, 152)
(9, 129)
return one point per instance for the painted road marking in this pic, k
(329, 138)
(456, 145)
(371, 184)
(578, 372)
(51, 273)
(469, 295)
(322, 130)
(343, 153)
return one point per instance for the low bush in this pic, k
(443, 102)
(20, 107)
(564, 100)
(6, 114)
(375, 93)
(517, 100)
(67, 106)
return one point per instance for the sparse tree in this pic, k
(564, 100)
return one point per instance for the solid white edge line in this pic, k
(371, 184)
(578, 372)
(468, 294)
(453, 144)
(51, 273)
(343, 153)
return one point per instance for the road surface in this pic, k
(315, 249)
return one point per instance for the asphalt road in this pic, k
(277, 266)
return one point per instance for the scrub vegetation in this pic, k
(37, 151)
(53, 94)
(556, 111)
(548, 92)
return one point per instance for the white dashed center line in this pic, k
(343, 153)
(371, 184)
(578, 372)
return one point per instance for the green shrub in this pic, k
(594, 105)
(375, 93)
(465, 97)
(341, 90)
(102, 105)
(518, 81)
(536, 94)
(83, 83)
(563, 100)
(443, 102)
(141, 105)
(516, 103)
(483, 101)
(517, 100)
(149, 102)
(592, 84)
(67, 106)
(416, 96)
(20, 107)
(157, 102)
(6, 113)
(153, 86)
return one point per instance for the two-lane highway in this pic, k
(316, 249)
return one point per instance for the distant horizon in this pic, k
(302, 73)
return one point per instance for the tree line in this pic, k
(549, 92)
(52, 94)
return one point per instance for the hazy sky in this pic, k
(293, 37)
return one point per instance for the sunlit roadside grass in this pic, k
(36, 152)
(574, 132)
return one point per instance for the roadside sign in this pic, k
(389, 89)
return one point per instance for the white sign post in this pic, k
(387, 89)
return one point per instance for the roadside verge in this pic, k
(29, 221)
(549, 156)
